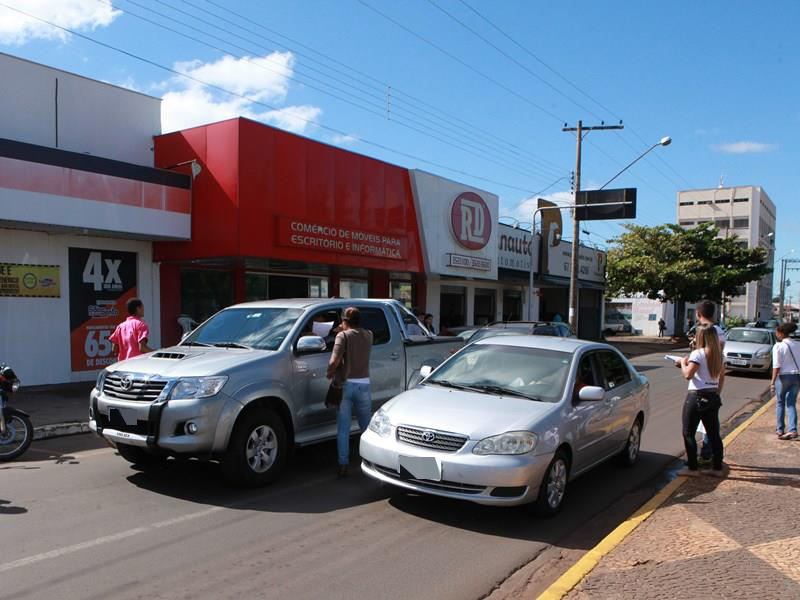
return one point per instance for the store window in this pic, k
(403, 292)
(485, 306)
(453, 306)
(512, 305)
(353, 288)
(255, 287)
(264, 286)
(205, 292)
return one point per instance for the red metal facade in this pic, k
(258, 181)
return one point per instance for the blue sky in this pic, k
(720, 78)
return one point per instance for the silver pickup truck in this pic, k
(249, 384)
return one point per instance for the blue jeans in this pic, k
(360, 396)
(786, 396)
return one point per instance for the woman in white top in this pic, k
(703, 369)
(786, 372)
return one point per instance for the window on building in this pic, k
(205, 292)
(403, 292)
(741, 199)
(318, 287)
(742, 222)
(485, 306)
(255, 287)
(687, 203)
(722, 223)
(702, 202)
(723, 201)
(453, 306)
(512, 305)
(652, 317)
(686, 223)
(701, 221)
(353, 288)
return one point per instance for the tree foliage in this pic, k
(669, 263)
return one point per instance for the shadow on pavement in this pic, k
(6, 508)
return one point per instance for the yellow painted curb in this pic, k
(564, 584)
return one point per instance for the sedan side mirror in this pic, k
(425, 371)
(591, 393)
(311, 343)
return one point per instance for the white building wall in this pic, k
(35, 334)
(47, 106)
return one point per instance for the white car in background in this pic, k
(749, 349)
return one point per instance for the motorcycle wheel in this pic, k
(17, 437)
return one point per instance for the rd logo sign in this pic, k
(471, 221)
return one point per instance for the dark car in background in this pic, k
(548, 328)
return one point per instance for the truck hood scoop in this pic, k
(169, 355)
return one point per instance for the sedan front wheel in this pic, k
(553, 487)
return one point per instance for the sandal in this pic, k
(789, 436)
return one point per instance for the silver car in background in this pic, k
(749, 349)
(510, 420)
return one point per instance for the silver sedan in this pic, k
(510, 420)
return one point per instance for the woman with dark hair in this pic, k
(786, 379)
(704, 370)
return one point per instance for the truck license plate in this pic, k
(420, 467)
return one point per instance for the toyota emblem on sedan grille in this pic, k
(126, 382)
(428, 436)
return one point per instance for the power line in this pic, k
(372, 108)
(461, 62)
(251, 100)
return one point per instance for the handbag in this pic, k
(336, 389)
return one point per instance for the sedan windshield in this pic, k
(506, 370)
(261, 328)
(749, 336)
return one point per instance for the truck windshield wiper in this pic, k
(231, 345)
(194, 344)
(503, 391)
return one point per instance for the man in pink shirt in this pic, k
(130, 336)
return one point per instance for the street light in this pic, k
(665, 141)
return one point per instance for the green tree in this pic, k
(672, 264)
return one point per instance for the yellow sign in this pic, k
(35, 281)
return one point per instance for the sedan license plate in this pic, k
(738, 363)
(420, 467)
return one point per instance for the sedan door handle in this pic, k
(394, 356)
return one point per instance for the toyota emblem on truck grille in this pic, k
(428, 436)
(126, 382)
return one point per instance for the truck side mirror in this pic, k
(311, 343)
(425, 371)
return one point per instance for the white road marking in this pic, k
(58, 552)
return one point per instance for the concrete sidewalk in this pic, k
(737, 537)
(56, 409)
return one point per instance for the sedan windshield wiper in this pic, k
(231, 345)
(450, 384)
(503, 391)
(194, 344)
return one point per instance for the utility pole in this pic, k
(574, 269)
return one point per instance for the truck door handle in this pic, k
(301, 367)
(613, 400)
(394, 356)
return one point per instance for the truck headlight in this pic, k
(198, 387)
(381, 424)
(101, 379)
(513, 442)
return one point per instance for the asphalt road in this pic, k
(76, 521)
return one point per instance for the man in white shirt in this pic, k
(786, 372)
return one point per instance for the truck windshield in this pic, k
(261, 328)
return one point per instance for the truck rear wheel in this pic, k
(257, 450)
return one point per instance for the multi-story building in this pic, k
(748, 214)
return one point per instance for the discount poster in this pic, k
(100, 284)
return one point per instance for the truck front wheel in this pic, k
(257, 450)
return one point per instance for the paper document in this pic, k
(701, 428)
(322, 329)
(674, 358)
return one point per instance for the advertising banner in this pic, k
(297, 233)
(100, 284)
(514, 251)
(30, 281)
(591, 262)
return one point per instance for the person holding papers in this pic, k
(706, 375)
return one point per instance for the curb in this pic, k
(44, 432)
(576, 573)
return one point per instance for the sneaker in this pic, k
(689, 472)
(779, 433)
(341, 471)
(789, 436)
(720, 473)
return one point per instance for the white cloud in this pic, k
(744, 147)
(188, 103)
(344, 139)
(524, 210)
(84, 15)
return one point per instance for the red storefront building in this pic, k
(276, 215)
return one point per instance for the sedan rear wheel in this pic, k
(553, 487)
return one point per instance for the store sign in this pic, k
(591, 262)
(30, 281)
(469, 262)
(296, 233)
(100, 284)
(471, 221)
(514, 251)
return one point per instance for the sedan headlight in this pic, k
(197, 387)
(761, 353)
(381, 424)
(513, 442)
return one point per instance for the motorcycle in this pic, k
(16, 429)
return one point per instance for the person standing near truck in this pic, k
(351, 350)
(131, 336)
